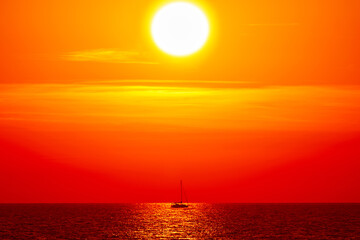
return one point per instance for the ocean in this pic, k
(199, 221)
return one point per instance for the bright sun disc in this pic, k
(180, 28)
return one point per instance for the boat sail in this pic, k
(180, 204)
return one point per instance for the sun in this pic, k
(180, 29)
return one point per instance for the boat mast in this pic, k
(181, 190)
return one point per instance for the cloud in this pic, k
(143, 107)
(292, 24)
(110, 56)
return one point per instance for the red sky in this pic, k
(92, 111)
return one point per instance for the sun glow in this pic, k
(180, 28)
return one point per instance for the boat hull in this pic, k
(179, 206)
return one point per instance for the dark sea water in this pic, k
(199, 221)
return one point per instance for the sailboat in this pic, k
(180, 204)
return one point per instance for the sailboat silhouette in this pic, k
(180, 204)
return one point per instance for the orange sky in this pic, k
(92, 111)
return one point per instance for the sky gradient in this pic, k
(92, 111)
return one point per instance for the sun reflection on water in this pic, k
(160, 221)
